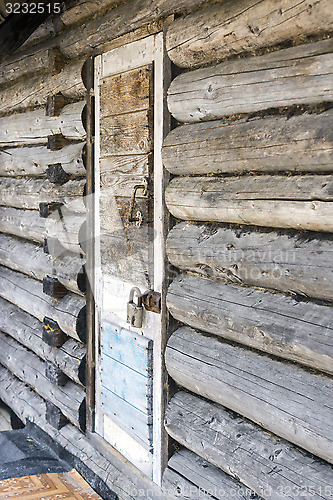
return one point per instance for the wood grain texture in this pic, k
(293, 76)
(119, 174)
(273, 323)
(268, 465)
(190, 476)
(30, 259)
(68, 227)
(300, 202)
(34, 127)
(30, 369)
(283, 398)
(276, 144)
(33, 162)
(33, 92)
(287, 261)
(27, 330)
(27, 294)
(23, 223)
(29, 193)
(228, 28)
(119, 21)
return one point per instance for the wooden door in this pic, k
(130, 125)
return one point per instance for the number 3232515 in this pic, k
(33, 8)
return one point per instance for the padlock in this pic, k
(135, 311)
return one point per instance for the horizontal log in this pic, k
(279, 144)
(84, 9)
(299, 202)
(44, 30)
(69, 229)
(34, 127)
(30, 259)
(287, 261)
(23, 400)
(255, 84)
(29, 193)
(33, 162)
(33, 92)
(27, 330)
(27, 294)
(190, 476)
(118, 21)
(283, 398)
(227, 28)
(31, 369)
(268, 465)
(273, 323)
(23, 223)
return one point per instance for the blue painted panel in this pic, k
(138, 424)
(126, 383)
(131, 349)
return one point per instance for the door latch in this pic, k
(138, 219)
(152, 301)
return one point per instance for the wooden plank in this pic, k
(129, 134)
(30, 369)
(273, 323)
(119, 174)
(33, 92)
(287, 261)
(294, 144)
(119, 21)
(227, 28)
(136, 422)
(23, 223)
(126, 92)
(30, 259)
(268, 465)
(129, 385)
(29, 193)
(27, 294)
(33, 162)
(128, 348)
(283, 398)
(293, 76)
(190, 476)
(34, 127)
(274, 201)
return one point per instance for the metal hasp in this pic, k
(135, 311)
(139, 217)
(152, 301)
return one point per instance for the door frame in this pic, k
(131, 56)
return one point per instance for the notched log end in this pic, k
(81, 324)
(56, 174)
(54, 417)
(82, 371)
(57, 141)
(55, 103)
(53, 287)
(57, 61)
(45, 209)
(53, 336)
(54, 374)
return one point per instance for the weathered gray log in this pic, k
(29, 193)
(273, 323)
(23, 223)
(33, 162)
(300, 202)
(190, 476)
(27, 294)
(270, 466)
(30, 369)
(30, 259)
(279, 144)
(33, 92)
(282, 397)
(118, 21)
(294, 262)
(54, 416)
(27, 330)
(253, 84)
(68, 228)
(228, 28)
(54, 374)
(34, 127)
(20, 397)
(53, 287)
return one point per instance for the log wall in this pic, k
(251, 159)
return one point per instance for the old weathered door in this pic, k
(129, 224)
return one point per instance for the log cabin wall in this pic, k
(251, 195)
